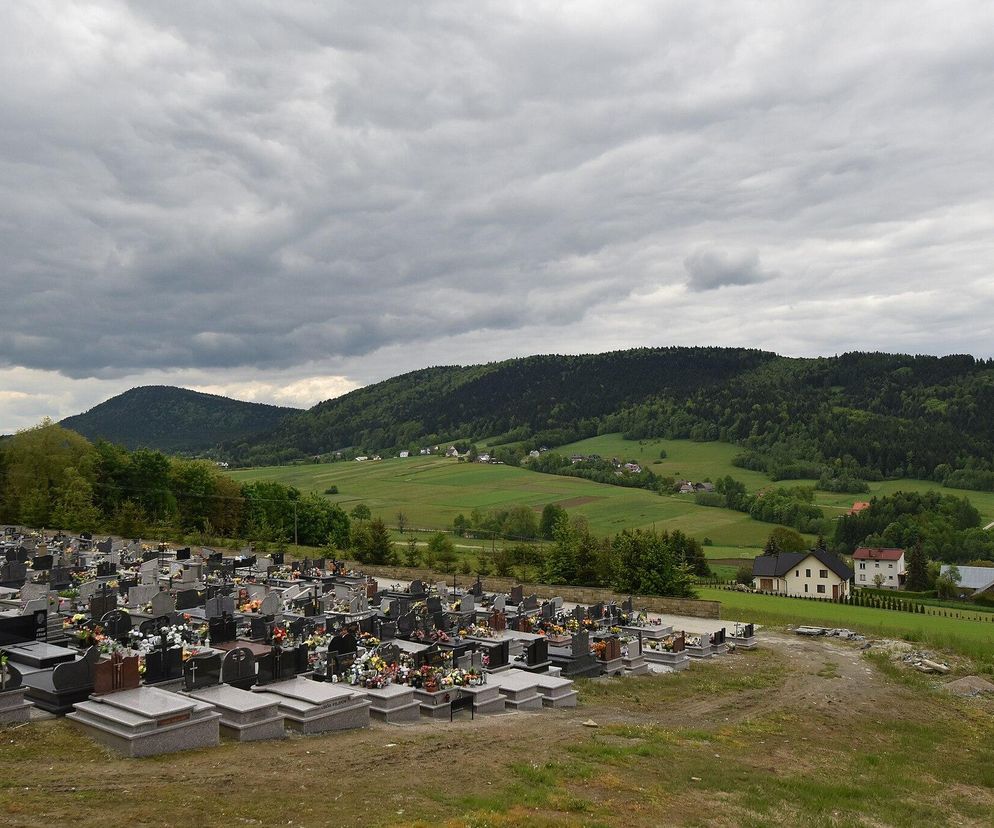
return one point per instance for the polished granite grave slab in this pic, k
(317, 706)
(147, 721)
(556, 691)
(393, 704)
(519, 689)
(245, 716)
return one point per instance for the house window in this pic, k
(805, 587)
(807, 573)
(862, 566)
(797, 574)
(890, 566)
(822, 573)
(862, 577)
(821, 588)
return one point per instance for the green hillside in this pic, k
(431, 491)
(174, 419)
(859, 416)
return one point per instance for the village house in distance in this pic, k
(880, 568)
(813, 574)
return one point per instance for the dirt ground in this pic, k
(440, 773)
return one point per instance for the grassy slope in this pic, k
(431, 491)
(731, 742)
(684, 458)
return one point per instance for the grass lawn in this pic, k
(974, 638)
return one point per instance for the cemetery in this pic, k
(149, 649)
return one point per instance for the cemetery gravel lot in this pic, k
(799, 732)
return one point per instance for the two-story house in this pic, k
(813, 574)
(869, 562)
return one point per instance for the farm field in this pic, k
(974, 638)
(684, 458)
(431, 491)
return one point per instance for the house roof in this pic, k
(866, 553)
(776, 566)
(859, 506)
(973, 577)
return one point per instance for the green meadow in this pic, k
(431, 491)
(684, 459)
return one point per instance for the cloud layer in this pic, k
(289, 199)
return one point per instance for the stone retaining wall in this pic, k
(574, 594)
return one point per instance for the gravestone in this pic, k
(120, 672)
(417, 587)
(163, 603)
(261, 628)
(517, 594)
(531, 602)
(499, 603)
(279, 664)
(433, 604)
(238, 668)
(140, 595)
(537, 654)
(183, 554)
(202, 670)
(151, 626)
(627, 606)
(42, 563)
(546, 611)
(406, 624)
(467, 603)
(163, 665)
(498, 621)
(222, 629)
(477, 588)
(18, 629)
(219, 605)
(102, 602)
(116, 624)
(390, 653)
(270, 604)
(105, 569)
(188, 599)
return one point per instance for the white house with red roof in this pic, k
(888, 563)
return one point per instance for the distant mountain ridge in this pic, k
(175, 420)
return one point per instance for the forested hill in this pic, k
(516, 399)
(861, 414)
(175, 419)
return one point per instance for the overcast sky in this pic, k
(283, 201)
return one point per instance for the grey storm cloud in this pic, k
(708, 268)
(230, 191)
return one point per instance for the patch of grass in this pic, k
(971, 634)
